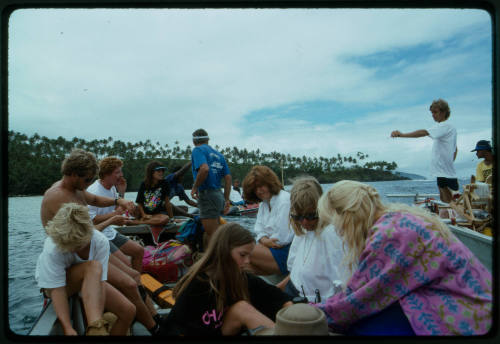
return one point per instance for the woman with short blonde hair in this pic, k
(316, 253)
(410, 274)
(75, 259)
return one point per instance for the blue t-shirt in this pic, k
(176, 189)
(217, 167)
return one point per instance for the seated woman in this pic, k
(152, 197)
(411, 275)
(316, 253)
(75, 259)
(217, 297)
(272, 225)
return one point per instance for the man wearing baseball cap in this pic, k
(484, 168)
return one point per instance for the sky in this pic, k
(314, 82)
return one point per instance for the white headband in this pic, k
(200, 137)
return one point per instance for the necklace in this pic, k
(310, 246)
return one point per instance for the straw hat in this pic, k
(299, 319)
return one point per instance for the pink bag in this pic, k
(167, 262)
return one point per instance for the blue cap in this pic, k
(482, 145)
(159, 168)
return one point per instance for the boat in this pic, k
(243, 210)
(480, 243)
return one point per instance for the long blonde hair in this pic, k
(354, 207)
(224, 276)
(70, 228)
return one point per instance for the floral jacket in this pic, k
(442, 288)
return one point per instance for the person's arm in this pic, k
(61, 306)
(101, 254)
(200, 178)
(142, 213)
(455, 154)
(267, 298)
(279, 222)
(413, 134)
(181, 211)
(183, 170)
(227, 191)
(101, 201)
(103, 217)
(283, 282)
(168, 207)
(121, 187)
(117, 220)
(191, 202)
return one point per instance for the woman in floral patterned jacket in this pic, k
(410, 274)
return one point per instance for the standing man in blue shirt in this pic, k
(209, 168)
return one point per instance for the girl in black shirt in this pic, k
(217, 297)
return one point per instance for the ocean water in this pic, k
(26, 236)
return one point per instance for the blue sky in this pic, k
(313, 82)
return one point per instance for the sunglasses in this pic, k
(308, 217)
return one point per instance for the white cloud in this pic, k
(161, 74)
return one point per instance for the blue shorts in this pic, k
(451, 183)
(390, 321)
(280, 255)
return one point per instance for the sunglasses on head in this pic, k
(308, 217)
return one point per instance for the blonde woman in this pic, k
(410, 274)
(217, 297)
(75, 259)
(315, 257)
(274, 235)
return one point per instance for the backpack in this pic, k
(191, 233)
(168, 261)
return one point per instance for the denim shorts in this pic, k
(119, 240)
(280, 255)
(211, 203)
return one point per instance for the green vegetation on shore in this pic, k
(35, 162)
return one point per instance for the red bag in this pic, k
(167, 262)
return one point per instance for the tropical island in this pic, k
(34, 162)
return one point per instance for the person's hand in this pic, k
(120, 210)
(121, 186)
(227, 206)
(396, 133)
(194, 193)
(127, 205)
(270, 243)
(118, 220)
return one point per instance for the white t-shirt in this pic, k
(52, 263)
(274, 222)
(315, 262)
(444, 144)
(97, 189)
(234, 196)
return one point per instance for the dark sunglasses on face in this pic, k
(308, 217)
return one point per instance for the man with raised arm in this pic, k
(444, 149)
(209, 168)
(174, 180)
